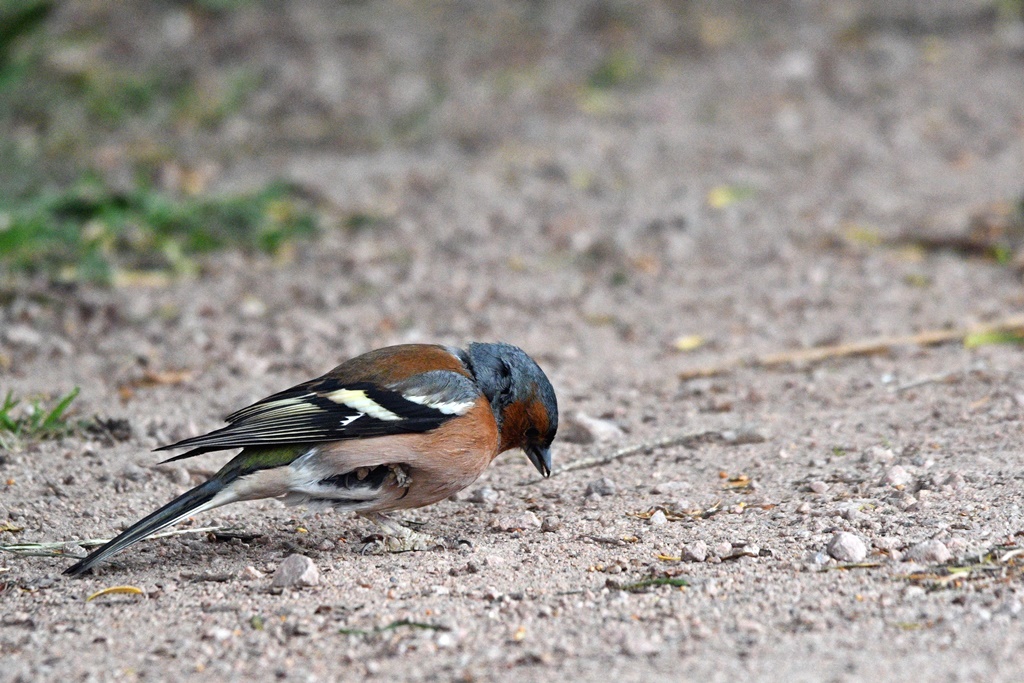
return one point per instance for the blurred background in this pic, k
(278, 185)
(138, 135)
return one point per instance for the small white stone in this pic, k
(670, 487)
(296, 570)
(913, 593)
(484, 495)
(897, 476)
(517, 522)
(551, 524)
(749, 626)
(250, 573)
(695, 552)
(847, 547)
(23, 335)
(657, 519)
(904, 501)
(886, 542)
(218, 633)
(954, 480)
(932, 551)
(818, 486)
(251, 307)
(878, 454)
(598, 429)
(601, 487)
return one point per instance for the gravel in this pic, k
(741, 187)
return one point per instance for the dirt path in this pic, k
(709, 201)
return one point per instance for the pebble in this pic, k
(803, 508)
(878, 454)
(551, 523)
(749, 626)
(296, 570)
(133, 472)
(23, 335)
(897, 475)
(326, 545)
(517, 522)
(251, 307)
(1011, 607)
(904, 501)
(930, 551)
(176, 473)
(250, 573)
(886, 542)
(658, 518)
(682, 504)
(818, 486)
(957, 546)
(484, 495)
(218, 633)
(852, 513)
(817, 559)
(596, 429)
(723, 549)
(695, 552)
(601, 487)
(667, 487)
(914, 592)
(955, 480)
(847, 547)
(641, 645)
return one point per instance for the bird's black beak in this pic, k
(541, 459)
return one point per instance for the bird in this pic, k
(396, 428)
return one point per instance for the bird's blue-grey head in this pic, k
(521, 397)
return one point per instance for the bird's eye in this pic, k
(532, 434)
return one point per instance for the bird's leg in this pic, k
(399, 538)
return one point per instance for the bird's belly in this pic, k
(355, 476)
(428, 486)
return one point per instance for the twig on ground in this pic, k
(391, 627)
(930, 379)
(59, 548)
(733, 437)
(862, 347)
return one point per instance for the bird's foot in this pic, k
(398, 538)
(415, 540)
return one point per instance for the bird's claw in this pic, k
(407, 541)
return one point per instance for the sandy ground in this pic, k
(594, 240)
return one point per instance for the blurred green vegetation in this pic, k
(61, 216)
(34, 420)
(91, 232)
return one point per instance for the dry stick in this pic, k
(856, 348)
(738, 437)
(55, 549)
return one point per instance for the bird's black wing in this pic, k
(329, 409)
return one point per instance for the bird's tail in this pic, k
(210, 494)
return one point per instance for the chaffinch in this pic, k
(396, 428)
